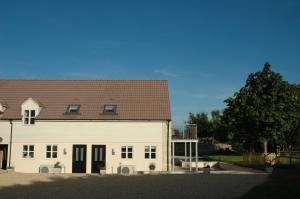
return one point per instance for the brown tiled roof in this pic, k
(135, 99)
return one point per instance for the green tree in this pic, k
(204, 128)
(263, 111)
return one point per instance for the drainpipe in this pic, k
(168, 140)
(10, 141)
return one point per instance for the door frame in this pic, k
(85, 152)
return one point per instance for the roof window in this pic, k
(73, 108)
(110, 109)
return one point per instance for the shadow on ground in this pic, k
(283, 183)
(144, 186)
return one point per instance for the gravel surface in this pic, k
(18, 185)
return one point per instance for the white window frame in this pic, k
(29, 117)
(26, 152)
(51, 151)
(151, 151)
(126, 152)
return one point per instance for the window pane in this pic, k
(54, 147)
(147, 155)
(48, 147)
(130, 149)
(32, 113)
(32, 120)
(48, 154)
(153, 155)
(130, 155)
(25, 154)
(73, 108)
(26, 113)
(26, 120)
(153, 148)
(123, 155)
(25, 147)
(123, 149)
(31, 154)
(31, 148)
(54, 155)
(147, 148)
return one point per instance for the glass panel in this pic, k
(76, 154)
(130, 155)
(25, 154)
(26, 120)
(25, 147)
(101, 154)
(81, 154)
(31, 147)
(153, 155)
(73, 108)
(109, 108)
(32, 120)
(147, 155)
(96, 154)
(123, 155)
(31, 154)
(48, 147)
(26, 113)
(147, 148)
(54, 155)
(32, 113)
(48, 154)
(153, 148)
(123, 149)
(54, 147)
(130, 149)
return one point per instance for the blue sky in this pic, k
(206, 49)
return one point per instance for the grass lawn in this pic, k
(283, 183)
(236, 159)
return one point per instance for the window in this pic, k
(126, 152)
(28, 151)
(73, 108)
(150, 152)
(51, 151)
(29, 117)
(110, 109)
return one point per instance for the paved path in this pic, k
(17, 185)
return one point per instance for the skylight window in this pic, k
(73, 108)
(110, 109)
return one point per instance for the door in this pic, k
(98, 158)
(3, 156)
(79, 159)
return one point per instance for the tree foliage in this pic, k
(265, 109)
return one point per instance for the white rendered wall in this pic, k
(113, 134)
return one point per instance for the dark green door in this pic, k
(98, 158)
(79, 159)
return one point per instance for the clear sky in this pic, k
(206, 49)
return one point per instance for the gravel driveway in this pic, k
(17, 185)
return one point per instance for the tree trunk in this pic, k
(265, 147)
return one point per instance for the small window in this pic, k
(28, 151)
(51, 151)
(110, 109)
(73, 108)
(126, 152)
(150, 152)
(29, 117)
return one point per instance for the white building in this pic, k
(85, 125)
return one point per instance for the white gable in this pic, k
(30, 104)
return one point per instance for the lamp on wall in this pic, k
(65, 151)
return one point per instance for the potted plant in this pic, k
(57, 167)
(151, 167)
